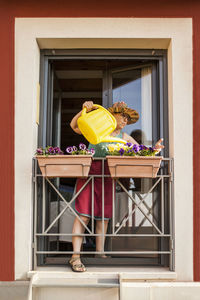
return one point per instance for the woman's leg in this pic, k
(99, 244)
(78, 228)
(75, 260)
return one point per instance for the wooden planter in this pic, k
(134, 166)
(64, 165)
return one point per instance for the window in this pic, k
(138, 77)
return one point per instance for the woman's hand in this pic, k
(89, 105)
(158, 145)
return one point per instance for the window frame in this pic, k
(159, 71)
(159, 86)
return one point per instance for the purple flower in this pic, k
(39, 151)
(129, 144)
(75, 148)
(82, 146)
(136, 148)
(58, 150)
(121, 151)
(69, 149)
(92, 151)
(151, 149)
(141, 147)
(51, 150)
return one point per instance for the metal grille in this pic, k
(137, 202)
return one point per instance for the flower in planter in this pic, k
(82, 146)
(49, 150)
(81, 151)
(130, 149)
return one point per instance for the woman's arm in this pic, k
(74, 124)
(89, 106)
(129, 138)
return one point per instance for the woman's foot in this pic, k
(76, 264)
(101, 256)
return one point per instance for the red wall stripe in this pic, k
(196, 146)
(88, 8)
(7, 146)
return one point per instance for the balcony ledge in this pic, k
(98, 277)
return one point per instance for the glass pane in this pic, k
(134, 88)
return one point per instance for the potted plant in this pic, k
(54, 163)
(132, 161)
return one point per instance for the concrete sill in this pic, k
(97, 277)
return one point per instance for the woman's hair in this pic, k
(122, 114)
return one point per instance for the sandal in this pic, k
(76, 267)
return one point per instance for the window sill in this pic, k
(98, 276)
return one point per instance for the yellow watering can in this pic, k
(97, 125)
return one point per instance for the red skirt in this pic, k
(83, 203)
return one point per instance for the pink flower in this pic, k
(69, 149)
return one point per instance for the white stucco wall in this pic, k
(174, 34)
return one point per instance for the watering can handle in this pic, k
(96, 105)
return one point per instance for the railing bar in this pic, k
(149, 209)
(103, 222)
(148, 213)
(68, 206)
(74, 212)
(138, 205)
(158, 176)
(170, 216)
(99, 158)
(104, 252)
(67, 203)
(66, 164)
(35, 221)
(162, 205)
(58, 210)
(40, 175)
(93, 205)
(151, 189)
(107, 235)
(124, 221)
(142, 199)
(74, 197)
(43, 204)
(146, 205)
(113, 206)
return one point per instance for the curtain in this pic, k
(146, 105)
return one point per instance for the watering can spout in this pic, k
(110, 139)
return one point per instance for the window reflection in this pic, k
(134, 88)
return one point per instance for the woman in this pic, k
(123, 116)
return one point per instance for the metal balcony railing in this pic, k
(142, 204)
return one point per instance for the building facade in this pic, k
(66, 29)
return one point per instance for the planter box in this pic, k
(134, 166)
(65, 165)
